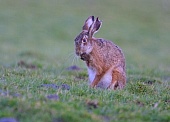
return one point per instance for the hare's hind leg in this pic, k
(118, 80)
(96, 80)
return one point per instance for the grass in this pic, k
(37, 47)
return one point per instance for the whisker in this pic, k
(69, 56)
(77, 60)
(73, 61)
(65, 62)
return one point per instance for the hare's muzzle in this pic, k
(84, 57)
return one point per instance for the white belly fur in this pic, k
(92, 74)
(105, 80)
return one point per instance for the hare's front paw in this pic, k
(85, 57)
(92, 85)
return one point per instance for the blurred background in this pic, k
(43, 31)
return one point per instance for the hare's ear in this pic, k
(88, 23)
(96, 26)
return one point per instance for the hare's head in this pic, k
(84, 41)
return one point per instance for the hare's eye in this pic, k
(84, 40)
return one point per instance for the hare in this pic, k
(105, 61)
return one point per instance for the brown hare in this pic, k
(105, 61)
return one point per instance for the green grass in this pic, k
(41, 34)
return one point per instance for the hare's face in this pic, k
(82, 44)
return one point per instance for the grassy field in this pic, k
(37, 47)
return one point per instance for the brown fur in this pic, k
(103, 57)
(101, 64)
